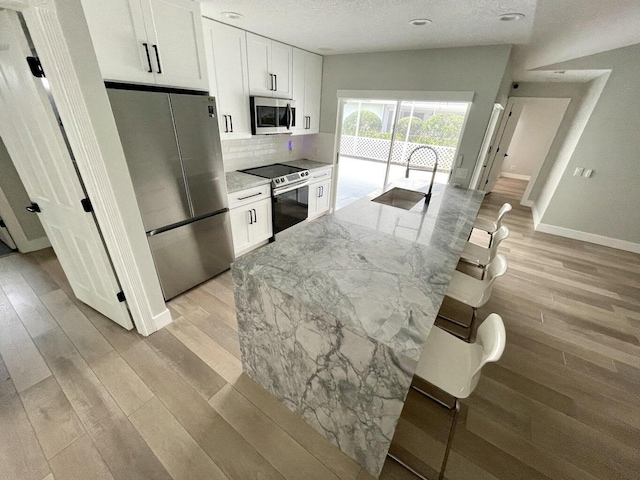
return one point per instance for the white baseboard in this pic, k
(527, 203)
(517, 176)
(587, 237)
(34, 245)
(162, 320)
(536, 215)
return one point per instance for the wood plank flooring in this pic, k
(82, 398)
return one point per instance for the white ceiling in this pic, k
(348, 26)
(552, 31)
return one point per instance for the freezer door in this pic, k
(188, 255)
(146, 131)
(198, 136)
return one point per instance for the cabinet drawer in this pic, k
(244, 197)
(320, 174)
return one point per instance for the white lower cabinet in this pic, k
(251, 224)
(319, 192)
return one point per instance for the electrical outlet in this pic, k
(588, 173)
(462, 172)
(578, 172)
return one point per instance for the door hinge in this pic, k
(510, 113)
(121, 297)
(35, 66)
(86, 205)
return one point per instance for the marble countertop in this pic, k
(237, 181)
(376, 268)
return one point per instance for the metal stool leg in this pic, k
(449, 440)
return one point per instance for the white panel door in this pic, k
(226, 54)
(174, 30)
(120, 40)
(35, 143)
(241, 219)
(282, 67)
(259, 59)
(298, 89)
(312, 91)
(262, 223)
(495, 159)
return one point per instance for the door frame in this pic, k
(61, 37)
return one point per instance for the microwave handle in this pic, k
(289, 116)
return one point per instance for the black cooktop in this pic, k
(273, 171)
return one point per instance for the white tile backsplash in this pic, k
(259, 151)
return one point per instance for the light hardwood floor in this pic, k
(82, 398)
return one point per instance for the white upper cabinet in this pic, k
(270, 67)
(307, 80)
(120, 40)
(148, 41)
(226, 56)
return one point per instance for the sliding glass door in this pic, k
(382, 142)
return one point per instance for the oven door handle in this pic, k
(292, 187)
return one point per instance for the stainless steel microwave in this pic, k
(271, 116)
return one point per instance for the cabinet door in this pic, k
(314, 197)
(174, 30)
(119, 37)
(282, 67)
(312, 90)
(241, 228)
(262, 221)
(324, 200)
(299, 62)
(259, 59)
(226, 52)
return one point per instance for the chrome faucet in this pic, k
(435, 167)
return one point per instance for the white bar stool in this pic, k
(492, 226)
(472, 291)
(482, 256)
(454, 366)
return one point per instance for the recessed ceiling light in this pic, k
(511, 17)
(419, 22)
(232, 15)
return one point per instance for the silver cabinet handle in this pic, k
(271, 80)
(230, 123)
(255, 216)
(250, 217)
(319, 191)
(275, 77)
(322, 190)
(226, 126)
(249, 196)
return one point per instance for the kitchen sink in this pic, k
(400, 198)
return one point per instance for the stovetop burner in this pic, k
(280, 174)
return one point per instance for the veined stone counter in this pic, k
(332, 319)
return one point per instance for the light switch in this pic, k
(578, 172)
(588, 173)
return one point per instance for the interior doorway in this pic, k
(524, 137)
(383, 141)
(39, 150)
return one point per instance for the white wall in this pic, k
(536, 129)
(477, 69)
(605, 205)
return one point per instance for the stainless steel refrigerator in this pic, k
(172, 146)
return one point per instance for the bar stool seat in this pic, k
(472, 291)
(482, 256)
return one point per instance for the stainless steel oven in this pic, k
(290, 195)
(271, 116)
(290, 207)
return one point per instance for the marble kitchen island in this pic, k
(332, 319)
